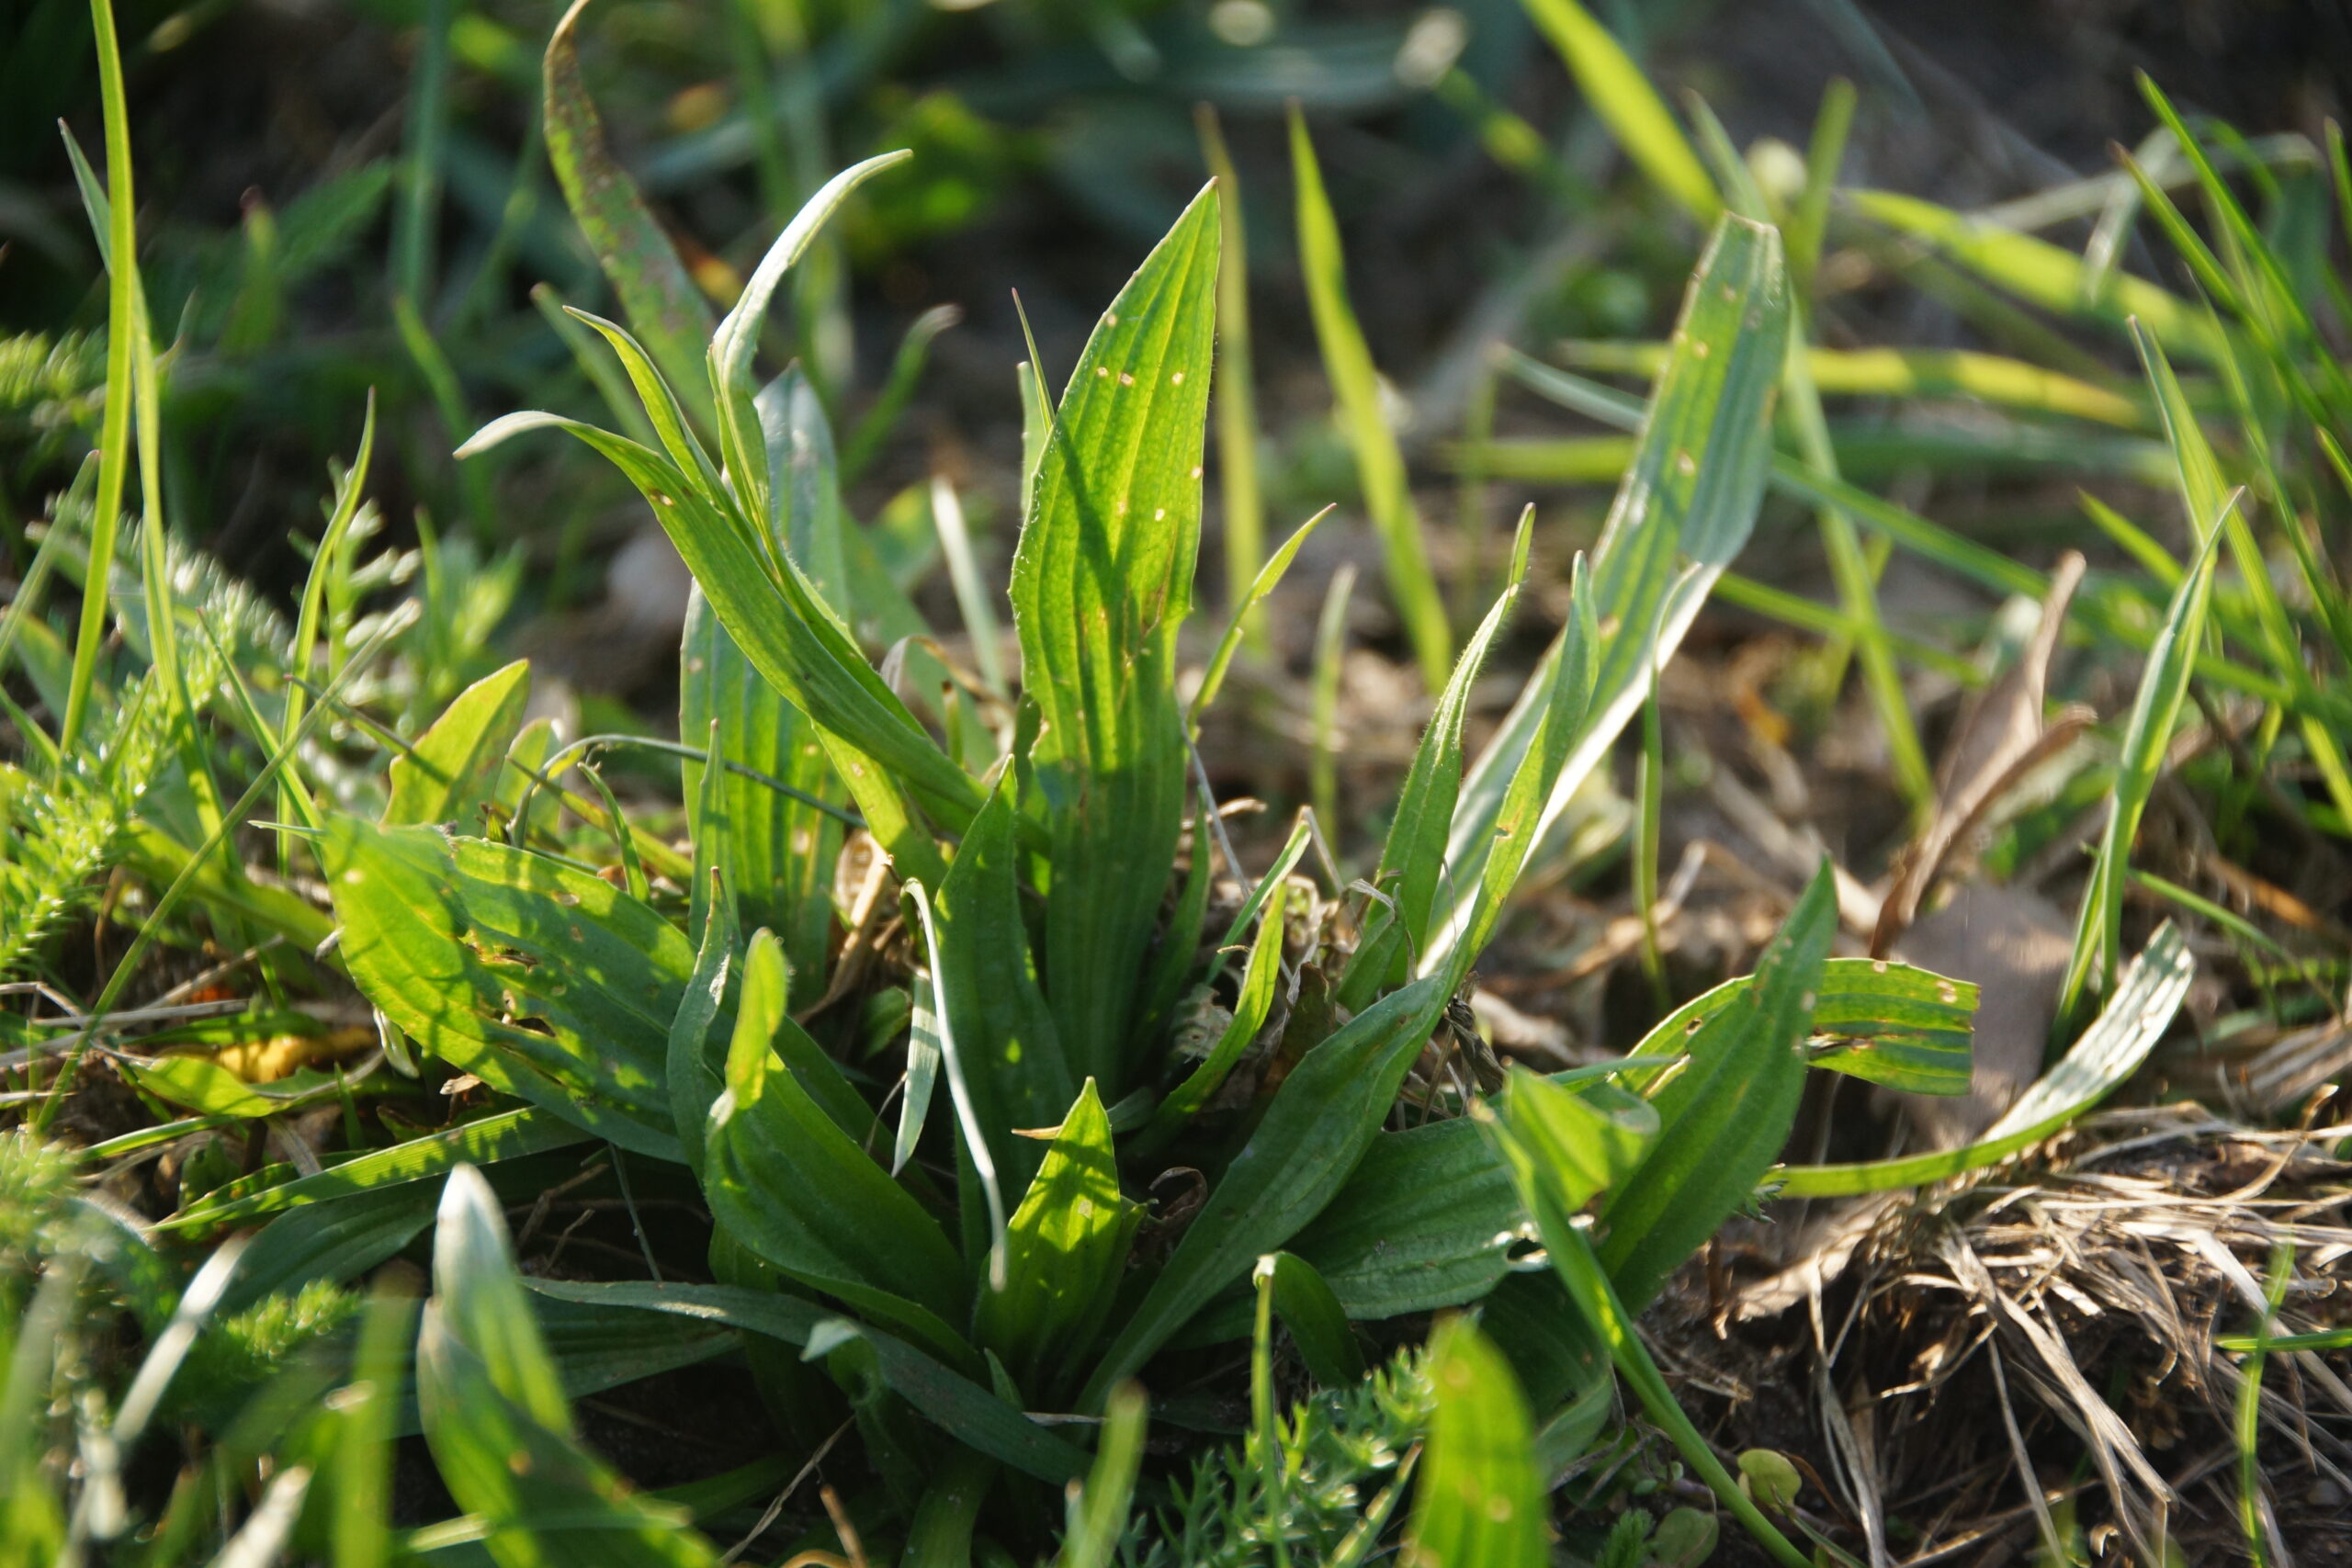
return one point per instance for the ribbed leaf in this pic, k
(662, 303)
(454, 767)
(1066, 1248)
(1481, 1499)
(1101, 582)
(1885, 1022)
(1723, 1118)
(545, 982)
(1322, 1118)
(793, 1188)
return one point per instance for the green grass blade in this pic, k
(1626, 101)
(2137, 1012)
(119, 242)
(1237, 396)
(1098, 1514)
(1809, 221)
(2044, 273)
(1102, 580)
(2164, 684)
(1355, 386)
(1269, 576)
(980, 1150)
(1250, 1009)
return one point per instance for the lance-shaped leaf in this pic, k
(544, 981)
(1322, 1118)
(1723, 1116)
(2136, 1015)
(987, 982)
(1066, 1248)
(777, 852)
(454, 767)
(1101, 582)
(783, 625)
(1873, 1018)
(494, 1414)
(662, 301)
(1682, 513)
(1481, 1499)
(791, 1185)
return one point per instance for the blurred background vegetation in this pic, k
(348, 196)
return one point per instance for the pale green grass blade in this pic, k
(972, 597)
(1809, 220)
(1323, 694)
(2137, 1010)
(1412, 868)
(2043, 274)
(1102, 580)
(1907, 372)
(1237, 395)
(979, 1147)
(1355, 386)
(659, 299)
(1626, 101)
(1269, 577)
(1097, 1512)
(1255, 1000)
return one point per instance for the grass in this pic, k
(880, 1038)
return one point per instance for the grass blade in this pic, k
(1380, 466)
(1622, 96)
(1237, 397)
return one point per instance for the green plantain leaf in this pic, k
(495, 1414)
(1724, 1115)
(1317, 1322)
(510, 1134)
(695, 1082)
(544, 981)
(2136, 1015)
(1321, 1121)
(1012, 1056)
(1425, 1221)
(970, 1412)
(784, 627)
(1066, 1248)
(1102, 580)
(1884, 1022)
(1481, 1499)
(454, 767)
(778, 852)
(1682, 513)
(663, 302)
(790, 1185)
